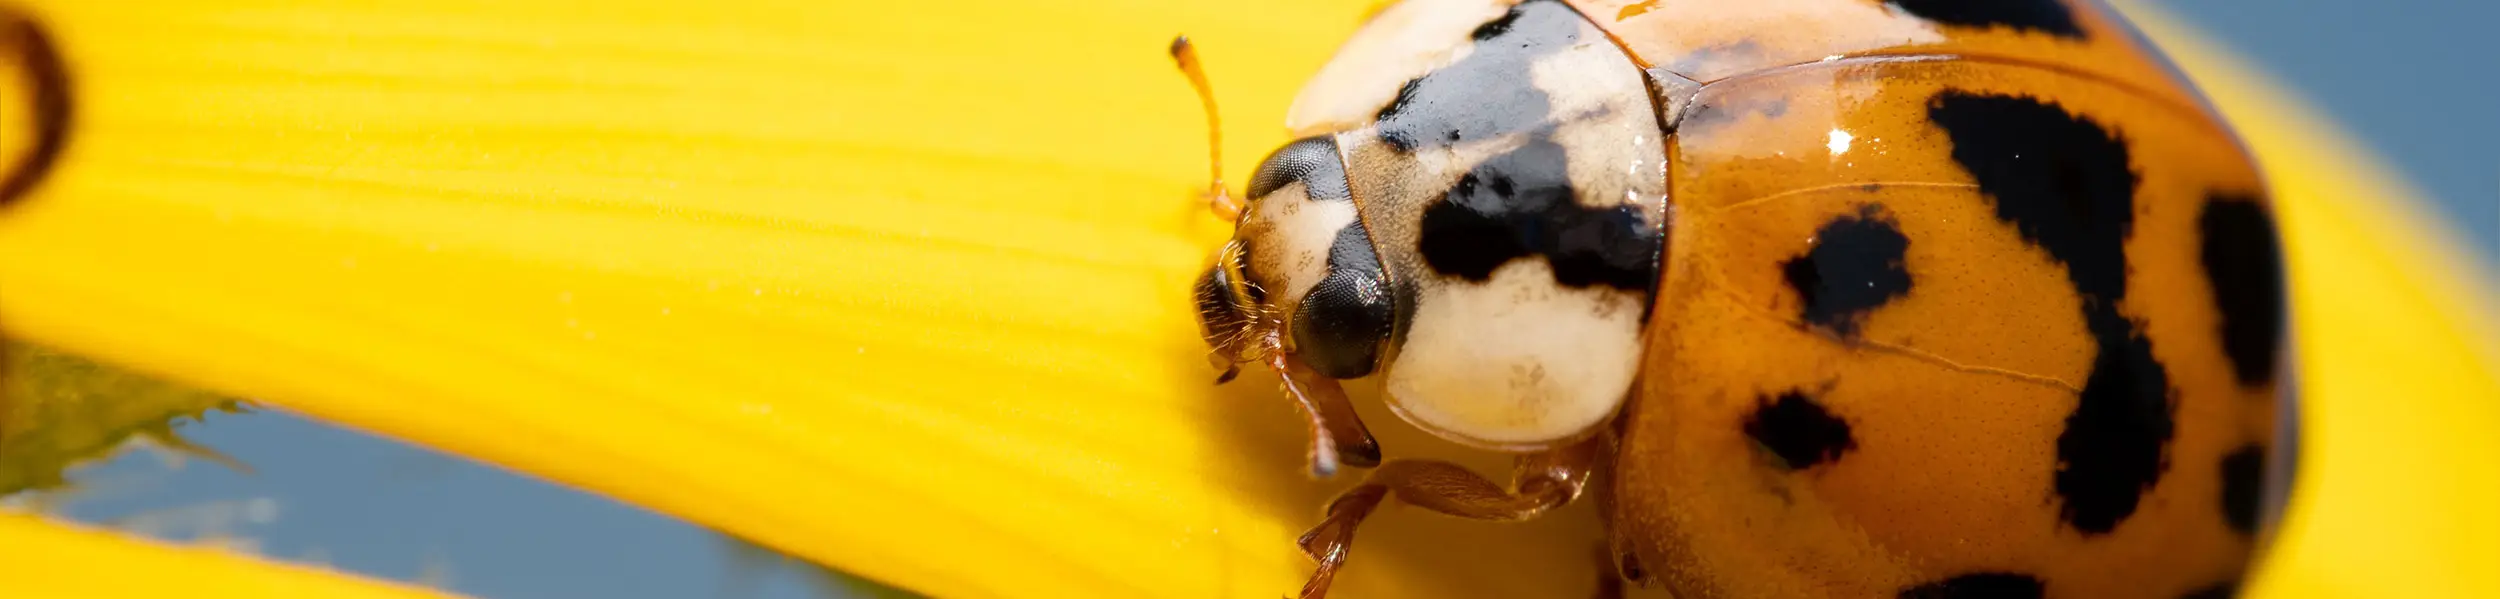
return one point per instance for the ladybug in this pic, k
(1846, 298)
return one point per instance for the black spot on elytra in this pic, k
(2065, 184)
(1520, 204)
(1344, 319)
(48, 106)
(2045, 16)
(2220, 590)
(1489, 93)
(2243, 264)
(1855, 266)
(2243, 481)
(1799, 430)
(1987, 585)
(1312, 161)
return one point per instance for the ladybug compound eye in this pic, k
(1219, 321)
(1227, 307)
(1344, 320)
(1219, 315)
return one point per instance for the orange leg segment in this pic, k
(1338, 436)
(1540, 482)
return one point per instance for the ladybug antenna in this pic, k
(1218, 199)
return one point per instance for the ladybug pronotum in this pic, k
(1920, 298)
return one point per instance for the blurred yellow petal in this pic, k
(46, 560)
(899, 289)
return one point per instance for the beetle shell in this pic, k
(1978, 337)
(1921, 298)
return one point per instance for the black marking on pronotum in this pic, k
(1406, 95)
(1312, 161)
(1985, 585)
(2244, 267)
(1520, 204)
(2045, 16)
(1855, 266)
(1487, 94)
(48, 103)
(1799, 430)
(2243, 483)
(2064, 182)
(1344, 319)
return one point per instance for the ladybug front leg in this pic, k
(1338, 436)
(1540, 482)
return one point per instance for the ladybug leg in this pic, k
(1540, 482)
(1338, 436)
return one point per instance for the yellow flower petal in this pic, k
(46, 560)
(896, 288)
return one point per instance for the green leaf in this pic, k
(59, 410)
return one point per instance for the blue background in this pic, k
(2417, 83)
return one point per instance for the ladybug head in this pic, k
(1300, 275)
